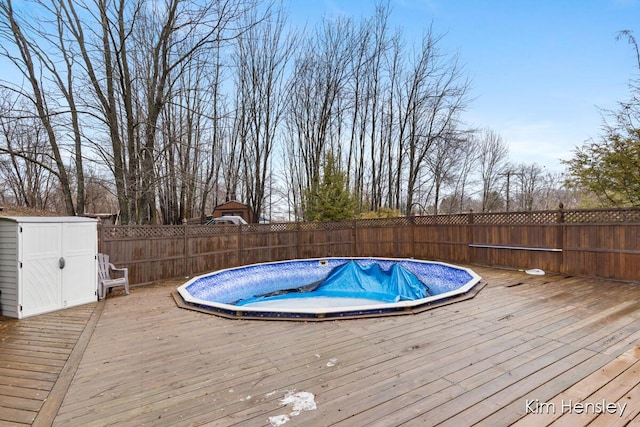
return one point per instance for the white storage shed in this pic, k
(46, 264)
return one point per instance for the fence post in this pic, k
(354, 238)
(412, 230)
(298, 231)
(240, 245)
(331, 237)
(561, 233)
(470, 249)
(185, 244)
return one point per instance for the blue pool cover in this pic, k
(353, 280)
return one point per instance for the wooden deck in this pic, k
(521, 351)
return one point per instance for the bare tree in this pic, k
(392, 132)
(263, 54)
(359, 98)
(143, 82)
(528, 180)
(381, 118)
(315, 112)
(435, 94)
(173, 35)
(552, 191)
(100, 31)
(129, 57)
(26, 163)
(467, 151)
(366, 85)
(232, 158)
(99, 191)
(31, 59)
(492, 159)
(217, 135)
(57, 50)
(178, 153)
(443, 162)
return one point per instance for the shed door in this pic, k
(79, 277)
(40, 250)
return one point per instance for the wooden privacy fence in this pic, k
(599, 243)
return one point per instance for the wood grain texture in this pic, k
(149, 362)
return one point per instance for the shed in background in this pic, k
(234, 208)
(46, 264)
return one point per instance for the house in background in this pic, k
(233, 208)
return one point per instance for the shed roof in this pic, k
(47, 219)
(231, 203)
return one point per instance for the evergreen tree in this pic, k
(610, 168)
(330, 199)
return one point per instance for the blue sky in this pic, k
(539, 69)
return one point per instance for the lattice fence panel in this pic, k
(257, 228)
(599, 216)
(277, 227)
(338, 225)
(593, 216)
(329, 225)
(142, 232)
(458, 219)
(308, 226)
(382, 222)
(517, 218)
(214, 229)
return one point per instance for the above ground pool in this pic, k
(328, 288)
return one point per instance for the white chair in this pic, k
(105, 281)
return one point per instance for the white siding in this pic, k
(9, 268)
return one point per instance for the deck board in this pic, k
(145, 361)
(33, 354)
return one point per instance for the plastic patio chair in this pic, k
(106, 281)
